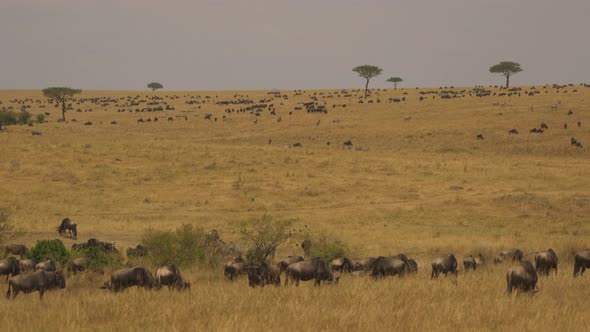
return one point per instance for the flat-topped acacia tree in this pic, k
(506, 68)
(155, 86)
(60, 95)
(367, 72)
(395, 81)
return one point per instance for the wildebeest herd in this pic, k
(28, 275)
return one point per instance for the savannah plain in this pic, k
(421, 184)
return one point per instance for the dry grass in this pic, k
(116, 181)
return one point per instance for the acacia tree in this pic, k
(155, 86)
(506, 68)
(367, 72)
(264, 236)
(395, 81)
(60, 95)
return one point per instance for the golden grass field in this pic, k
(530, 191)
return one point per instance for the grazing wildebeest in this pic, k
(444, 265)
(365, 264)
(473, 263)
(513, 254)
(388, 266)
(581, 262)
(306, 245)
(91, 243)
(545, 261)
(68, 225)
(288, 261)
(15, 249)
(136, 276)
(40, 281)
(342, 265)
(138, 251)
(234, 268)
(27, 264)
(513, 131)
(9, 266)
(315, 269)
(262, 275)
(412, 266)
(48, 265)
(169, 275)
(78, 265)
(523, 277)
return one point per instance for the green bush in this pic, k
(183, 247)
(326, 246)
(41, 118)
(49, 249)
(8, 118)
(98, 258)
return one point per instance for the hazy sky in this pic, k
(265, 44)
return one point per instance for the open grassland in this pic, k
(530, 191)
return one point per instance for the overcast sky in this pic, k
(266, 44)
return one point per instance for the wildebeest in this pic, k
(27, 264)
(364, 264)
(545, 261)
(513, 254)
(282, 265)
(446, 264)
(68, 225)
(521, 277)
(15, 249)
(342, 265)
(234, 268)
(169, 275)
(262, 275)
(9, 266)
(136, 276)
(40, 281)
(473, 263)
(138, 251)
(91, 243)
(78, 265)
(412, 266)
(581, 262)
(388, 266)
(315, 269)
(47, 265)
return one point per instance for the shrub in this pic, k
(326, 246)
(49, 249)
(98, 258)
(183, 247)
(41, 118)
(7, 229)
(264, 236)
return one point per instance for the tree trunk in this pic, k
(395, 85)
(63, 110)
(507, 80)
(366, 88)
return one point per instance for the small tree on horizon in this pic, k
(395, 81)
(367, 72)
(60, 95)
(506, 68)
(155, 86)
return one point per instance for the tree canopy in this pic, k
(506, 68)
(367, 72)
(61, 95)
(395, 81)
(155, 86)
